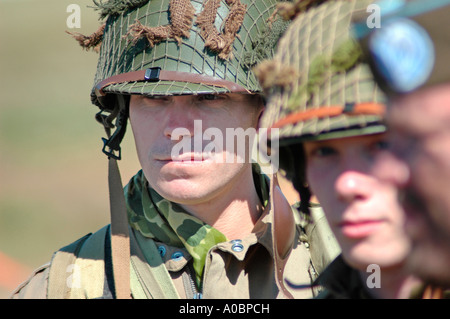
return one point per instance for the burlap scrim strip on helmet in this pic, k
(272, 73)
(267, 40)
(221, 43)
(112, 7)
(181, 18)
(92, 41)
(289, 10)
(344, 58)
(116, 7)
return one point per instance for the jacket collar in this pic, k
(343, 281)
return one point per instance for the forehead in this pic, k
(424, 110)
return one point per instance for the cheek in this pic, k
(321, 183)
(431, 178)
(136, 122)
(438, 158)
(246, 116)
(139, 117)
(392, 209)
(431, 173)
(145, 133)
(138, 134)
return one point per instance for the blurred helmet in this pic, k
(318, 87)
(411, 49)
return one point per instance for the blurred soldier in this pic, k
(409, 57)
(328, 110)
(200, 226)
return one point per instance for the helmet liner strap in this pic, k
(120, 236)
(164, 75)
(329, 111)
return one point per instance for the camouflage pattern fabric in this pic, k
(164, 221)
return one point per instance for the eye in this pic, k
(381, 145)
(324, 151)
(156, 97)
(210, 97)
(155, 101)
(321, 152)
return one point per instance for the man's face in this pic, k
(419, 165)
(362, 211)
(179, 157)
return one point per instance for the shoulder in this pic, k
(35, 287)
(56, 278)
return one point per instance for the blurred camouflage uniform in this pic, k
(174, 254)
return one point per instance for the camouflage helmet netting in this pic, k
(143, 37)
(319, 66)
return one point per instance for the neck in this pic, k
(234, 210)
(395, 283)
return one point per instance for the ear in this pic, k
(259, 114)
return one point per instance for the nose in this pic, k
(179, 119)
(390, 169)
(353, 185)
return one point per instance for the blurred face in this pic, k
(178, 156)
(362, 211)
(419, 165)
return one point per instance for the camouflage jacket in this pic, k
(198, 259)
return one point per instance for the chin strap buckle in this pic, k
(110, 153)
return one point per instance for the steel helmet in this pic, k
(317, 84)
(324, 90)
(170, 47)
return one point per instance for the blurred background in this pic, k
(53, 175)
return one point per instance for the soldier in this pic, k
(196, 226)
(409, 58)
(328, 112)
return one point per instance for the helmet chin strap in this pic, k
(283, 233)
(120, 236)
(111, 145)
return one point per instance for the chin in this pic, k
(360, 256)
(430, 261)
(178, 191)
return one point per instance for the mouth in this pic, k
(360, 228)
(183, 158)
